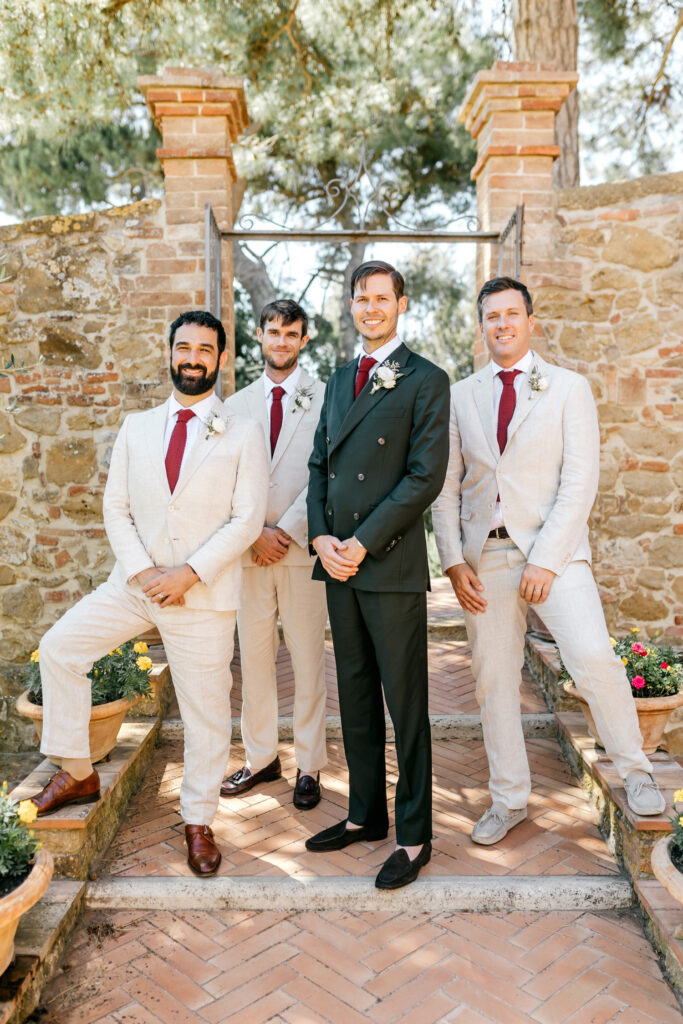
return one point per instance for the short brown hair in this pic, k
(503, 284)
(366, 270)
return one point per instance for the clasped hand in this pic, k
(166, 586)
(534, 586)
(340, 558)
(270, 546)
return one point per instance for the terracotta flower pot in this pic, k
(105, 722)
(653, 714)
(664, 870)
(21, 899)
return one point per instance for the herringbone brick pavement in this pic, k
(236, 967)
(262, 833)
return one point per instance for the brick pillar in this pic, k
(200, 112)
(510, 111)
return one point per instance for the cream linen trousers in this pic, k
(300, 601)
(198, 644)
(573, 614)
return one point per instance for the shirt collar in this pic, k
(385, 350)
(200, 409)
(524, 364)
(289, 384)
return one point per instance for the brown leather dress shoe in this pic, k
(243, 780)
(64, 789)
(203, 855)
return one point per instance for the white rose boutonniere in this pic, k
(303, 397)
(536, 381)
(214, 425)
(386, 377)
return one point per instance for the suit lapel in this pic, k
(528, 400)
(366, 401)
(344, 385)
(154, 436)
(483, 397)
(256, 400)
(292, 419)
(200, 449)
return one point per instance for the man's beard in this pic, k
(287, 365)
(195, 385)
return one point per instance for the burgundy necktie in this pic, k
(176, 448)
(364, 367)
(506, 409)
(275, 417)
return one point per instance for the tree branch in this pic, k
(665, 57)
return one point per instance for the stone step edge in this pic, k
(446, 893)
(444, 727)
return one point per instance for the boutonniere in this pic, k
(214, 425)
(386, 376)
(536, 381)
(303, 397)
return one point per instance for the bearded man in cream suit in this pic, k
(511, 526)
(185, 497)
(286, 402)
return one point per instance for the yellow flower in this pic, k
(634, 629)
(625, 661)
(140, 647)
(678, 796)
(144, 664)
(118, 650)
(34, 656)
(680, 820)
(613, 641)
(27, 811)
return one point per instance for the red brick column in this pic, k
(510, 111)
(200, 113)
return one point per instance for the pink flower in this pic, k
(637, 682)
(665, 665)
(638, 649)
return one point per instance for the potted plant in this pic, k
(667, 855)
(25, 870)
(118, 681)
(655, 674)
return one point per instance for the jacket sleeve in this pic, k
(316, 498)
(426, 465)
(564, 527)
(446, 508)
(123, 536)
(294, 520)
(248, 513)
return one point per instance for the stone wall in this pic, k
(86, 294)
(611, 307)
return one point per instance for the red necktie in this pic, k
(275, 417)
(364, 367)
(176, 448)
(506, 409)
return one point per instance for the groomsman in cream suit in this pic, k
(286, 402)
(185, 497)
(511, 526)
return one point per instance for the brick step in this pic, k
(445, 893)
(460, 727)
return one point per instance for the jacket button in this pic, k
(380, 440)
(361, 476)
(327, 440)
(332, 476)
(356, 516)
(329, 511)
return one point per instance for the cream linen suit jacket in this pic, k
(216, 511)
(289, 464)
(547, 476)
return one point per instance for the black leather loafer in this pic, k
(337, 837)
(243, 780)
(401, 870)
(306, 791)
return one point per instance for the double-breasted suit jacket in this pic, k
(215, 512)
(547, 479)
(285, 589)
(377, 464)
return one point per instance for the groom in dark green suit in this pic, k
(379, 460)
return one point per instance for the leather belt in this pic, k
(500, 533)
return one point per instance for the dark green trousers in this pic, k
(380, 642)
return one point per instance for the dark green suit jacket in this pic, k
(378, 462)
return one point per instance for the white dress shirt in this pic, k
(194, 425)
(381, 353)
(289, 384)
(524, 365)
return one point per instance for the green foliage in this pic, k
(652, 671)
(124, 672)
(18, 845)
